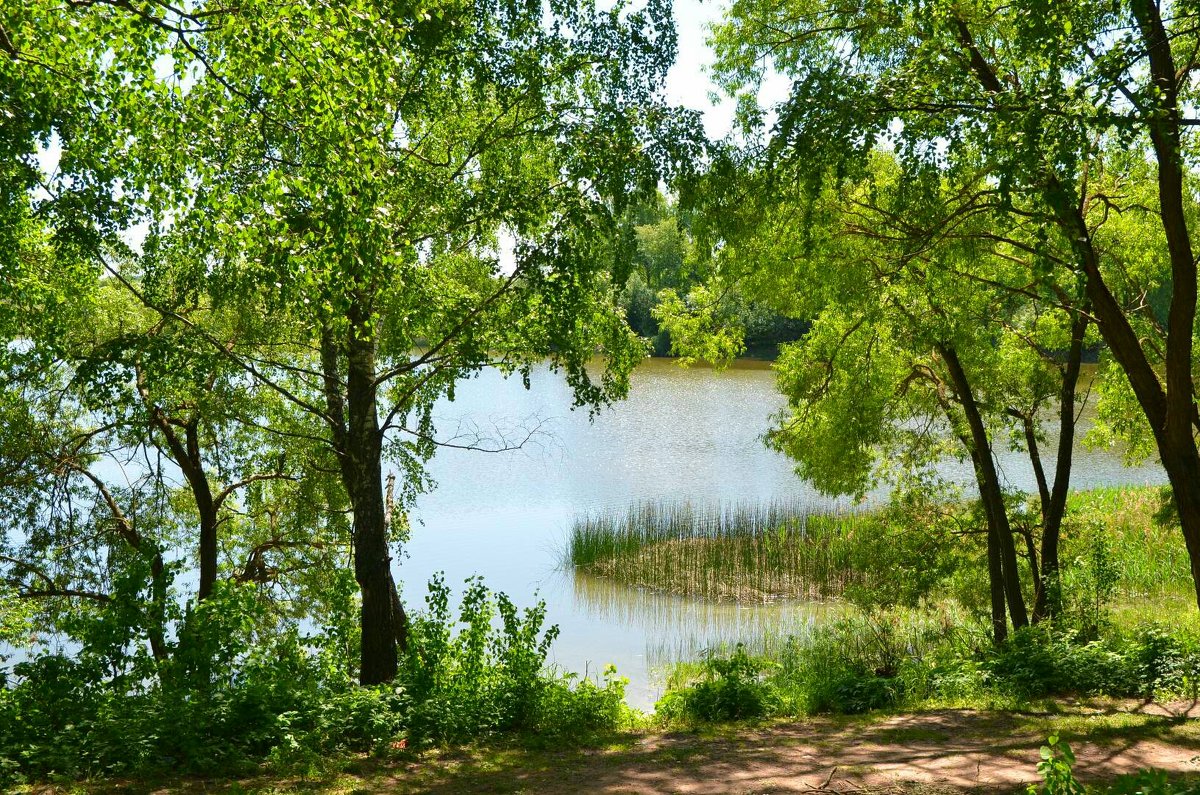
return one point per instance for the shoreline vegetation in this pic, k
(741, 553)
(913, 633)
(784, 550)
(901, 644)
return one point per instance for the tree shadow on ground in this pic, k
(932, 752)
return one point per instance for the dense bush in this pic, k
(883, 660)
(482, 680)
(1152, 661)
(731, 688)
(233, 695)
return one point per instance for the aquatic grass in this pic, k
(747, 552)
(727, 552)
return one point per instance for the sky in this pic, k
(689, 82)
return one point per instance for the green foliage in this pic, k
(639, 302)
(730, 688)
(1039, 661)
(1091, 583)
(1150, 782)
(1055, 770)
(906, 659)
(340, 213)
(1149, 555)
(239, 692)
(1058, 777)
(666, 300)
(700, 328)
(941, 177)
(476, 681)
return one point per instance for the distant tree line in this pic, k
(666, 258)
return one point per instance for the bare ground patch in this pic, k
(938, 751)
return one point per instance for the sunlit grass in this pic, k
(786, 550)
(1150, 558)
(744, 553)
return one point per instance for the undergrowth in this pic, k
(1123, 629)
(279, 698)
(905, 660)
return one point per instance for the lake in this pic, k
(683, 434)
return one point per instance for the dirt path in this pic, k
(943, 751)
(932, 752)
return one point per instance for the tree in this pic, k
(131, 454)
(901, 335)
(353, 173)
(1026, 97)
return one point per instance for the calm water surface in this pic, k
(683, 434)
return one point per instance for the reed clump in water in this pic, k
(743, 552)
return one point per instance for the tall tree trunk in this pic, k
(187, 456)
(995, 566)
(158, 601)
(995, 577)
(192, 465)
(389, 514)
(1171, 412)
(1029, 426)
(1048, 600)
(989, 487)
(1175, 433)
(359, 443)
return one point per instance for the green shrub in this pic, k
(1055, 770)
(1040, 661)
(731, 688)
(1058, 777)
(902, 658)
(1151, 782)
(575, 707)
(238, 691)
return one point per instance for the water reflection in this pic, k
(683, 435)
(680, 628)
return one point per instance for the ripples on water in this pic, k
(683, 435)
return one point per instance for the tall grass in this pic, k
(1151, 559)
(935, 657)
(883, 556)
(740, 552)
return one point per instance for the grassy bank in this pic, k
(786, 550)
(917, 660)
(915, 632)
